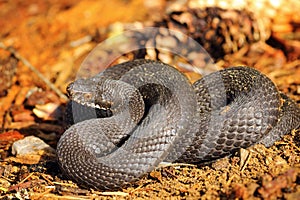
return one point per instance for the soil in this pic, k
(54, 37)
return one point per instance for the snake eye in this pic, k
(87, 96)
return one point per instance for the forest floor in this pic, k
(51, 35)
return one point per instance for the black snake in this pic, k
(149, 112)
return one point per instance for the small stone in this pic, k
(31, 145)
(31, 150)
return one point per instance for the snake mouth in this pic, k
(104, 105)
(89, 99)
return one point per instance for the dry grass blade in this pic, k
(32, 68)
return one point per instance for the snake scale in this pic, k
(139, 113)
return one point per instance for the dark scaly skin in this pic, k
(220, 113)
(80, 150)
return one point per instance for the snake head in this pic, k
(87, 92)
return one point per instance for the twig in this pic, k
(39, 196)
(33, 69)
(27, 177)
(167, 164)
(81, 41)
(47, 179)
(246, 161)
(54, 196)
(65, 184)
(230, 179)
(117, 193)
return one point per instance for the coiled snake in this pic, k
(151, 113)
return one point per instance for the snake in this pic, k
(137, 114)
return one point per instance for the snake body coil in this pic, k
(149, 113)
